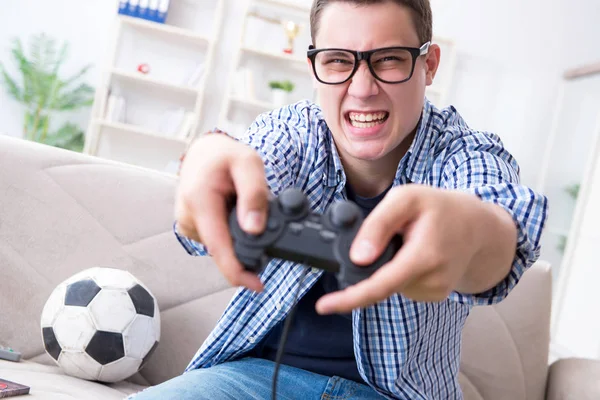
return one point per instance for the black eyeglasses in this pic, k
(389, 64)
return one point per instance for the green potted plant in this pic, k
(44, 93)
(280, 91)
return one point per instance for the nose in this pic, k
(363, 84)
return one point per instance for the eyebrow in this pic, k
(338, 53)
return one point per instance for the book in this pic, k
(10, 389)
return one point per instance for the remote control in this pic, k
(295, 233)
(6, 353)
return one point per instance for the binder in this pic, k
(143, 9)
(153, 10)
(123, 7)
(163, 8)
(132, 9)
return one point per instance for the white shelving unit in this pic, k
(162, 108)
(572, 157)
(258, 62)
(564, 159)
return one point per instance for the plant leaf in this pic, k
(11, 84)
(81, 96)
(69, 137)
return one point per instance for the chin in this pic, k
(367, 151)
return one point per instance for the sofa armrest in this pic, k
(574, 378)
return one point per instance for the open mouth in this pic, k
(367, 120)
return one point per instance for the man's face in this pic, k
(369, 118)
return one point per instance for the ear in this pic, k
(311, 71)
(432, 62)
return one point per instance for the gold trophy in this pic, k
(291, 30)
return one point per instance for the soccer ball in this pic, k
(101, 324)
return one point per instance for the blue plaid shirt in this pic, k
(404, 349)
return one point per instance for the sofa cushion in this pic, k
(49, 383)
(505, 346)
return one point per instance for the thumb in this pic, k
(391, 216)
(252, 193)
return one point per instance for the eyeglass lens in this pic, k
(336, 66)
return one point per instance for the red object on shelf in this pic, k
(143, 68)
(288, 51)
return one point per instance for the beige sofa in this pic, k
(62, 212)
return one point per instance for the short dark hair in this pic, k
(420, 9)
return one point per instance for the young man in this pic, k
(470, 229)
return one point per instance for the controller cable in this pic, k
(286, 328)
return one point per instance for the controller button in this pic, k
(292, 201)
(328, 236)
(272, 224)
(344, 214)
(295, 227)
(316, 218)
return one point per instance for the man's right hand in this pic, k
(216, 168)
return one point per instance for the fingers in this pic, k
(213, 218)
(207, 181)
(252, 192)
(397, 209)
(388, 280)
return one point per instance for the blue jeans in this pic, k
(251, 378)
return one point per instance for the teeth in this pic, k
(360, 120)
(364, 124)
(367, 117)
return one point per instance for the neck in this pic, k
(369, 178)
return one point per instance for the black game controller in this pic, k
(296, 234)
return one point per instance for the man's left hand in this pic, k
(446, 234)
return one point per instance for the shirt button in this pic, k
(278, 306)
(251, 339)
(314, 270)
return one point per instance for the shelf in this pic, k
(258, 104)
(276, 56)
(137, 130)
(154, 83)
(168, 31)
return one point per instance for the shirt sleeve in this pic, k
(277, 140)
(478, 163)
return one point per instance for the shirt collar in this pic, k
(414, 163)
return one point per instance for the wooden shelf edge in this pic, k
(282, 56)
(165, 29)
(138, 130)
(122, 74)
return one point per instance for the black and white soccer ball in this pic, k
(102, 324)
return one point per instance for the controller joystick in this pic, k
(294, 233)
(293, 203)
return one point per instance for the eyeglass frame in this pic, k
(415, 52)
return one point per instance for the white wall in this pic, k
(511, 57)
(83, 23)
(508, 67)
